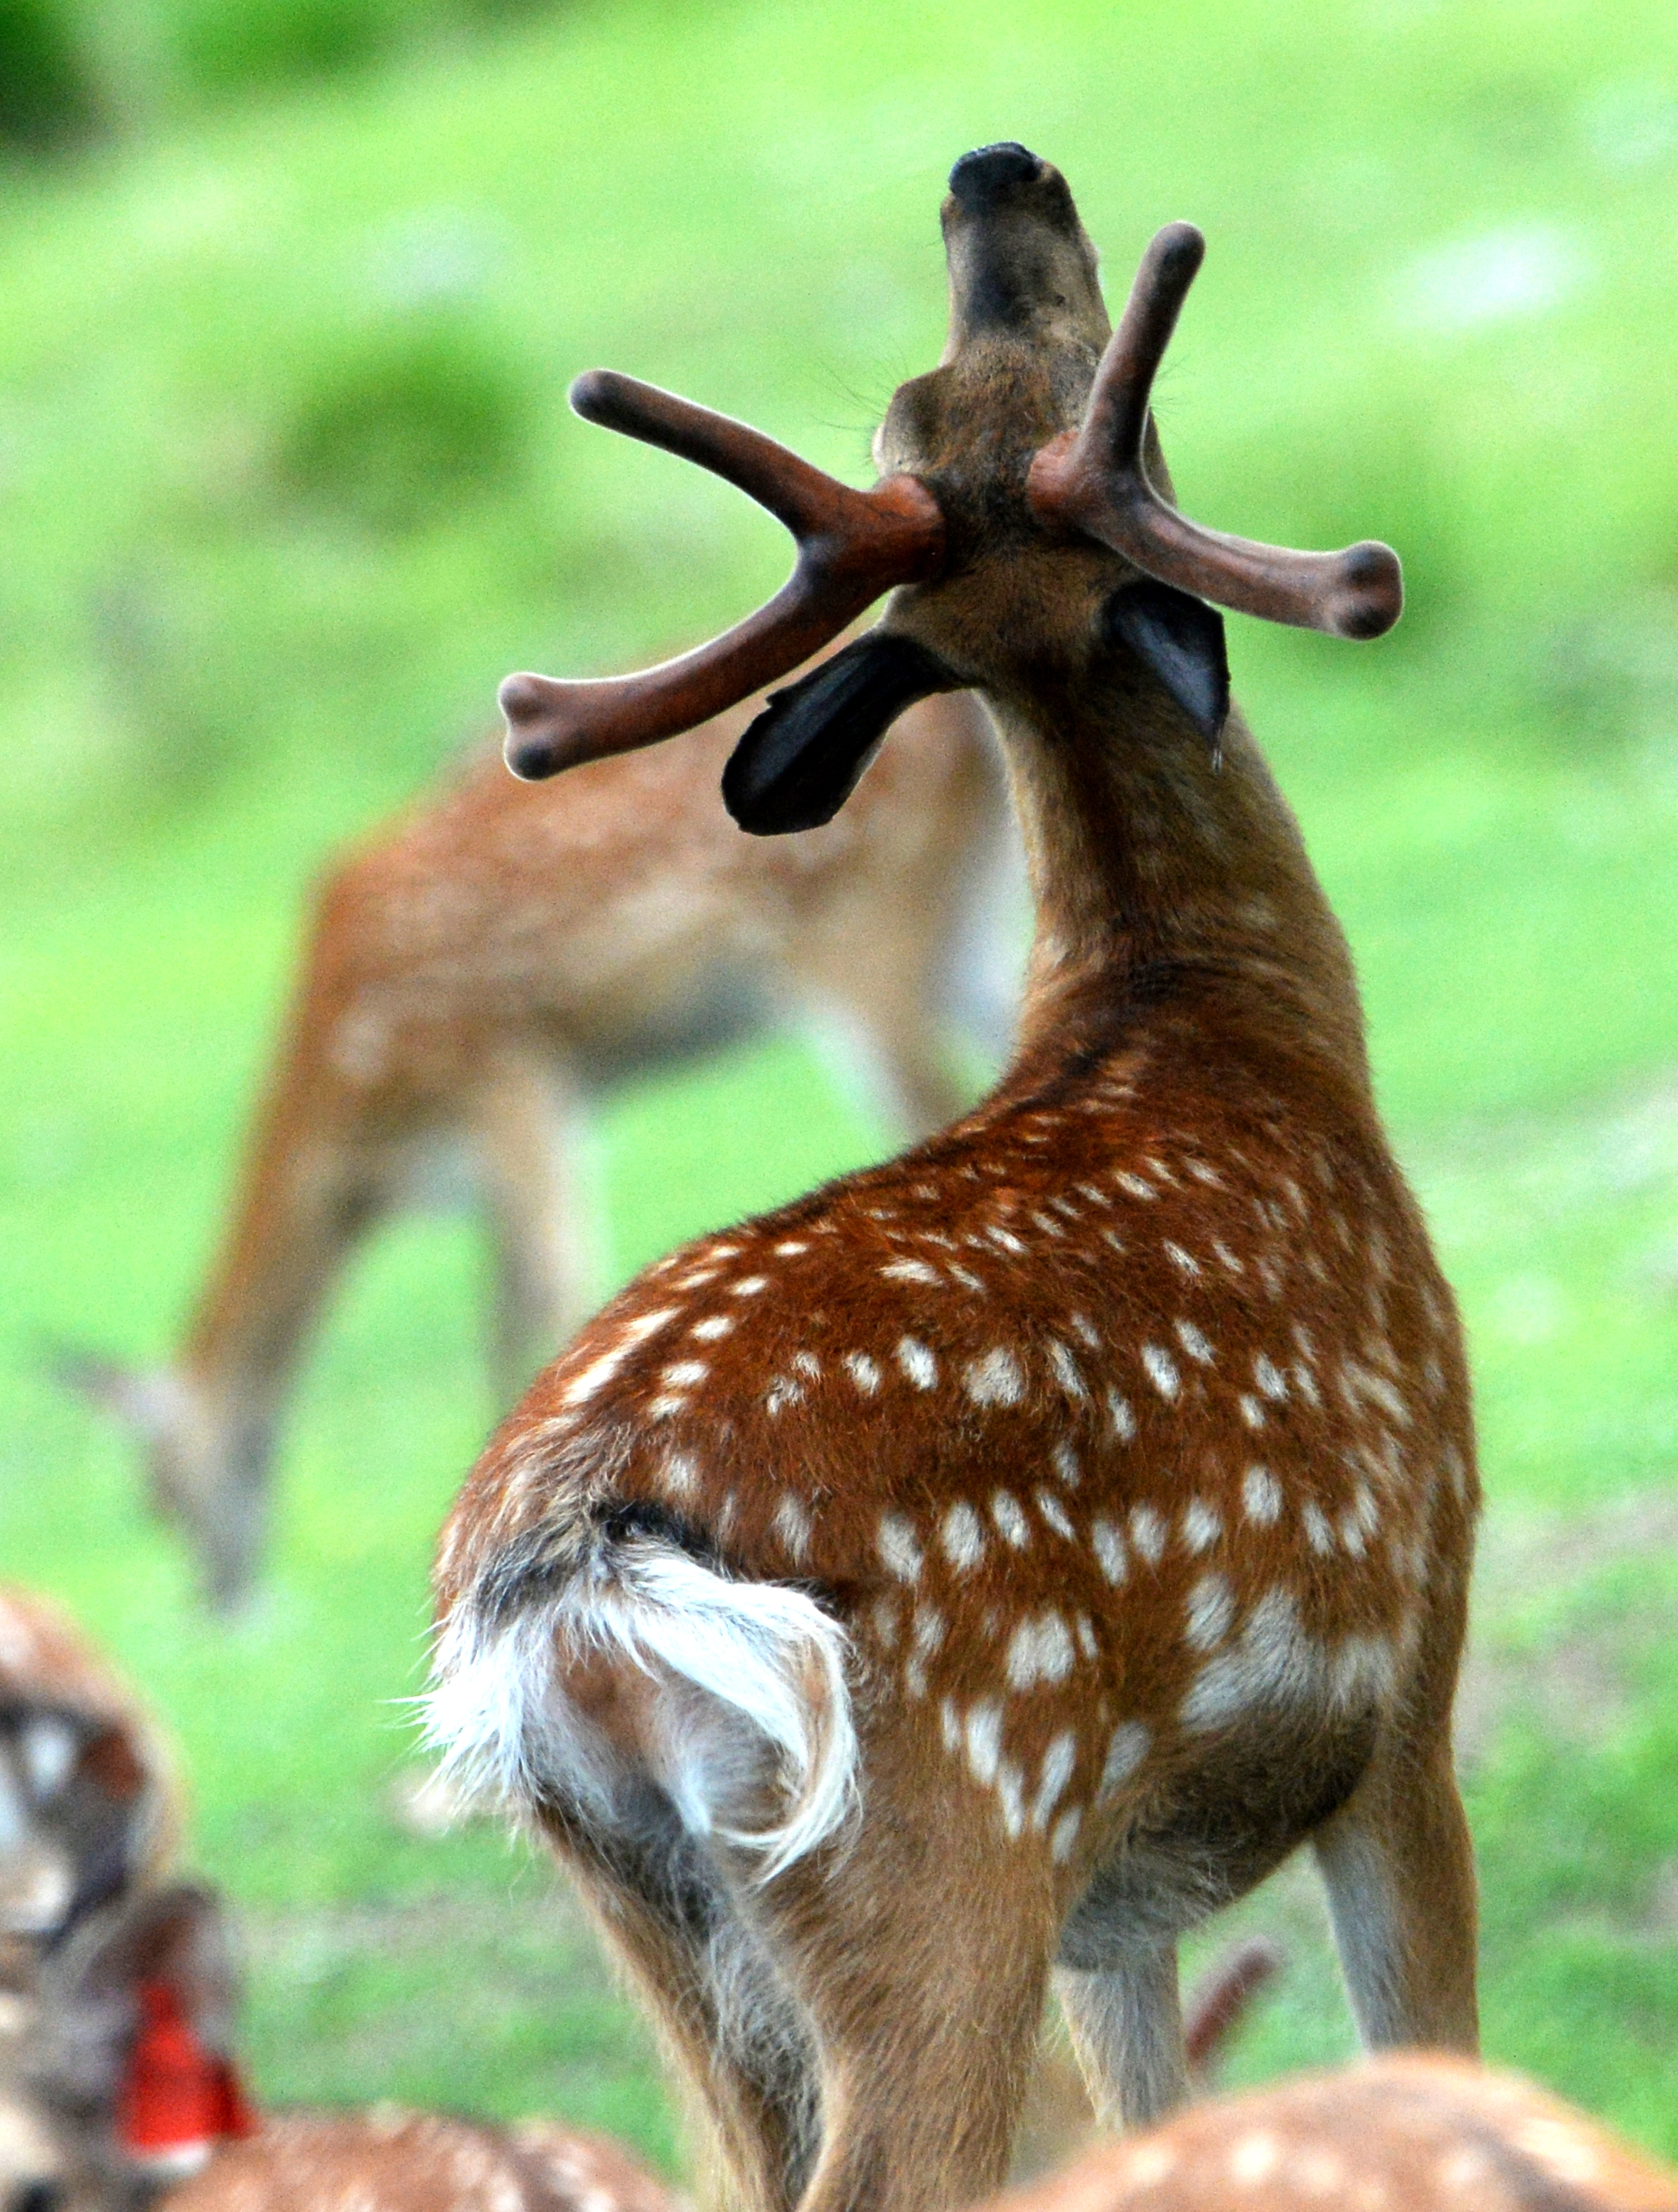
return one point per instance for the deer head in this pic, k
(1023, 523)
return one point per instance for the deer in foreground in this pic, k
(1425, 2133)
(998, 1560)
(472, 972)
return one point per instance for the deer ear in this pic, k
(1181, 639)
(805, 754)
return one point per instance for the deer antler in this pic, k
(1093, 479)
(852, 545)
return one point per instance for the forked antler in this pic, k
(852, 546)
(1093, 479)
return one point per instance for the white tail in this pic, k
(1122, 1431)
(473, 972)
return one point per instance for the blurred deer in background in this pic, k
(471, 975)
(130, 2075)
(1426, 2134)
(90, 1817)
(1000, 1559)
(89, 1805)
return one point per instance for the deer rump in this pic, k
(653, 1706)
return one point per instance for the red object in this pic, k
(176, 2093)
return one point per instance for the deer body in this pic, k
(472, 975)
(1430, 2135)
(1002, 1558)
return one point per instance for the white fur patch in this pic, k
(765, 1658)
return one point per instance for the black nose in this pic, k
(36, 2196)
(981, 179)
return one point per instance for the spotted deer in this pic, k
(1000, 1559)
(473, 976)
(90, 1817)
(1426, 2133)
(133, 2081)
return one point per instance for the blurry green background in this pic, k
(292, 290)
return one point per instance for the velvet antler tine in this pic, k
(1094, 479)
(852, 545)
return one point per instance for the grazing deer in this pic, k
(1423, 2134)
(471, 973)
(1000, 1559)
(132, 2082)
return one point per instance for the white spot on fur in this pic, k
(1065, 1834)
(1161, 1370)
(1315, 1522)
(600, 1371)
(715, 1325)
(1272, 1664)
(681, 1475)
(1195, 1342)
(790, 1248)
(911, 1270)
(807, 1364)
(1178, 1259)
(792, 1526)
(997, 1379)
(1254, 2158)
(917, 1363)
(1009, 1514)
(1058, 1761)
(1039, 1651)
(985, 1739)
(1124, 1419)
(683, 1374)
(1148, 1534)
(1270, 1377)
(1251, 1412)
(1066, 1370)
(1064, 1462)
(1054, 1513)
(748, 1286)
(963, 1538)
(863, 1372)
(1108, 1545)
(1202, 1525)
(1261, 1494)
(899, 1547)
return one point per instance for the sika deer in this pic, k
(470, 976)
(1002, 1558)
(132, 2079)
(1426, 2134)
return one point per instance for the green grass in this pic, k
(219, 653)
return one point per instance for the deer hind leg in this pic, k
(527, 1181)
(920, 1951)
(732, 2029)
(1399, 1868)
(1127, 2028)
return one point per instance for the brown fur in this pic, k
(1124, 1428)
(1426, 2134)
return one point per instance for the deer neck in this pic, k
(1160, 879)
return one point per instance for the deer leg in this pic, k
(529, 1191)
(1399, 1868)
(733, 2029)
(920, 1958)
(1127, 2027)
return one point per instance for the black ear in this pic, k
(1181, 639)
(805, 754)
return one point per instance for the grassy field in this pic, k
(287, 483)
